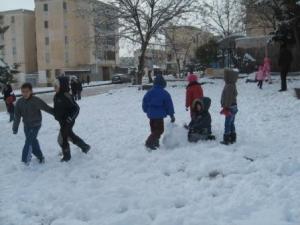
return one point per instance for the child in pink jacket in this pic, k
(260, 76)
(267, 68)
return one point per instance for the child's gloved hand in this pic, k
(173, 119)
(225, 112)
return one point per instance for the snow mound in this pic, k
(175, 136)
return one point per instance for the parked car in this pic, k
(120, 79)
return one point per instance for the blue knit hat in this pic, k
(160, 81)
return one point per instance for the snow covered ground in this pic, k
(119, 183)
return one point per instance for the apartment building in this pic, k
(184, 40)
(68, 40)
(19, 42)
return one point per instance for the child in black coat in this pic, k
(66, 111)
(200, 126)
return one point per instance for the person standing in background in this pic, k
(9, 99)
(88, 79)
(79, 89)
(285, 61)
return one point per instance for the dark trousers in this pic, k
(157, 129)
(283, 75)
(67, 134)
(32, 145)
(74, 95)
(11, 111)
(260, 84)
(230, 121)
(79, 95)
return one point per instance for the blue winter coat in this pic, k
(157, 102)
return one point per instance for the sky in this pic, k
(16, 4)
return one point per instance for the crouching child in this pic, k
(229, 105)
(29, 108)
(66, 111)
(157, 104)
(200, 126)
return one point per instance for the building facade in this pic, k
(68, 43)
(19, 41)
(181, 44)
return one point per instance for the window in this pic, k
(111, 40)
(45, 7)
(66, 57)
(47, 40)
(65, 6)
(47, 57)
(46, 24)
(12, 19)
(110, 55)
(66, 40)
(14, 51)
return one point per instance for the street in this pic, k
(88, 91)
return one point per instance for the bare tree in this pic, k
(141, 20)
(223, 17)
(287, 17)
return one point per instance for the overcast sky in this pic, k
(16, 4)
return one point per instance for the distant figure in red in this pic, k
(193, 91)
(267, 68)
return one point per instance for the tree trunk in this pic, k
(178, 66)
(141, 67)
(297, 37)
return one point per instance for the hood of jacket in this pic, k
(230, 76)
(63, 84)
(205, 103)
(160, 81)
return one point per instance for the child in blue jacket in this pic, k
(157, 104)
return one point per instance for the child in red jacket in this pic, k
(193, 91)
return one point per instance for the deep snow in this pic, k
(119, 183)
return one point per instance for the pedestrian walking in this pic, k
(29, 108)
(66, 111)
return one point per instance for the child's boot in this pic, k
(85, 148)
(156, 143)
(150, 145)
(226, 139)
(66, 155)
(233, 138)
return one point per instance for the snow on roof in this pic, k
(253, 42)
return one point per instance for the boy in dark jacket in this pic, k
(29, 108)
(229, 105)
(66, 111)
(157, 104)
(200, 126)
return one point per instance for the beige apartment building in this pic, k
(68, 43)
(19, 41)
(181, 44)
